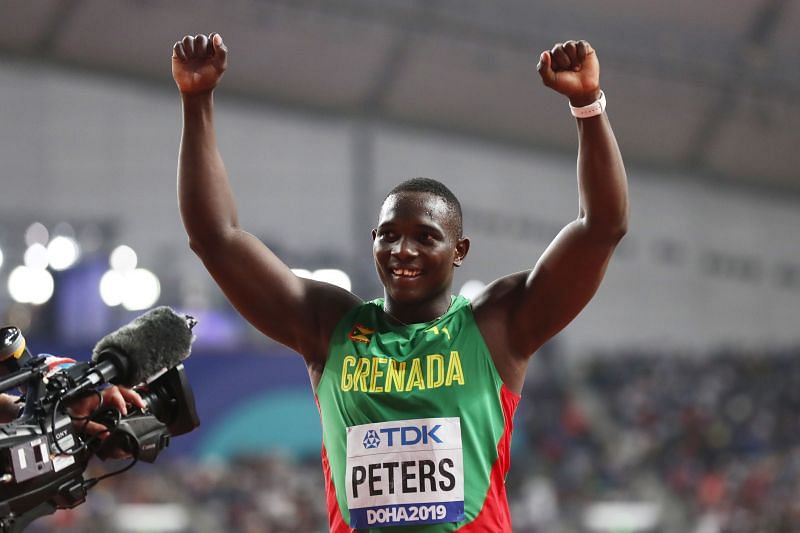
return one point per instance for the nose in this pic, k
(404, 248)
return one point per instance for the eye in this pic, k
(387, 235)
(427, 238)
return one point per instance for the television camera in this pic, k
(44, 451)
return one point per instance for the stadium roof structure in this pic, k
(691, 86)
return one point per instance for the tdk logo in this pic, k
(371, 439)
(410, 435)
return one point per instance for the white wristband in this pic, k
(595, 108)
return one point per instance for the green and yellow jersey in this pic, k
(416, 425)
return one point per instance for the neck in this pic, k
(417, 312)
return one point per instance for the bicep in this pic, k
(270, 296)
(564, 280)
(534, 305)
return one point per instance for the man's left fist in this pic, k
(572, 69)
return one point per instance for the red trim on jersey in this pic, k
(335, 521)
(494, 516)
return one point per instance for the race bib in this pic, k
(405, 472)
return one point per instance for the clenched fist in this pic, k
(198, 63)
(571, 68)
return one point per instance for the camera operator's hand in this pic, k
(9, 407)
(114, 396)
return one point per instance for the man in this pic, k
(416, 390)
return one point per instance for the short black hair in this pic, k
(436, 188)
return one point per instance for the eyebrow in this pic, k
(426, 227)
(431, 229)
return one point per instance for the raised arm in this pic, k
(522, 311)
(294, 311)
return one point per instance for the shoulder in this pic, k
(498, 299)
(494, 304)
(332, 304)
(363, 313)
(494, 309)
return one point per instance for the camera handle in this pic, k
(16, 524)
(69, 491)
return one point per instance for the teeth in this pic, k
(405, 272)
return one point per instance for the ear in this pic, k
(374, 233)
(462, 247)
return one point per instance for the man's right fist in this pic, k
(198, 63)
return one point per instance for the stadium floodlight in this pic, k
(36, 234)
(135, 290)
(123, 258)
(30, 285)
(62, 252)
(471, 288)
(334, 276)
(36, 256)
(142, 289)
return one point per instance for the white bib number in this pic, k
(405, 472)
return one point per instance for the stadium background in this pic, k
(670, 404)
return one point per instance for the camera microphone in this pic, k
(156, 341)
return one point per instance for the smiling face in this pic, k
(416, 246)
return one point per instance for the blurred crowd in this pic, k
(712, 441)
(720, 433)
(264, 494)
(708, 444)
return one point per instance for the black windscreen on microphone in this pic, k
(157, 340)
